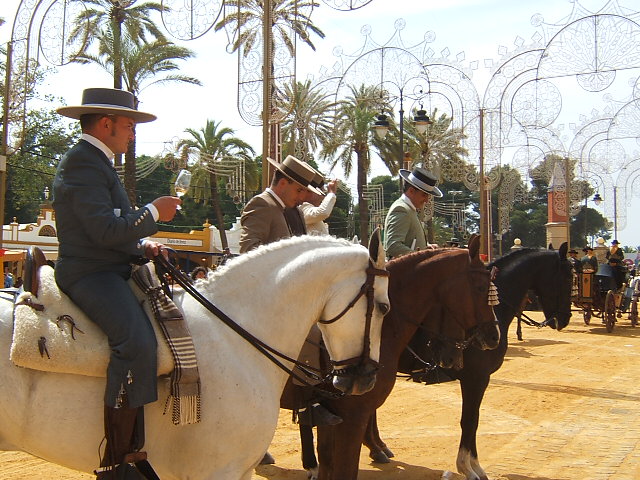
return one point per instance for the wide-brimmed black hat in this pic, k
(297, 171)
(586, 249)
(573, 250)
(615, 242)
(109, 101)
(422, 180)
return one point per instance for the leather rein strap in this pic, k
(269, 352)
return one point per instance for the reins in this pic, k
(269, 352)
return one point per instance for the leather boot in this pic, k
(124, 471)
(315, 414)
(119, 428)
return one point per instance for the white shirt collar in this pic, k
(408, 201)
(98, 144)
(278, 199)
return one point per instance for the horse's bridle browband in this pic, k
(262, 347)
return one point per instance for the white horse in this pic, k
(276, 293)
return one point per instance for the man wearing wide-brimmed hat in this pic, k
(404, 232)
(263, 218)
(100, 235)
(615, 251)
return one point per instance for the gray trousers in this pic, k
(107, 299)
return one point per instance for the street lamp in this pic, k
(421, 120)
(597, 199)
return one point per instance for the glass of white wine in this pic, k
(183, 182)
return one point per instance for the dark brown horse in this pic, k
(548, 274)
(455, 282)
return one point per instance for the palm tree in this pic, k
(440, 147)
(245, 20)
(112, 16)
(310, 121)
(352, 134)
(144, 64)
(214, 145)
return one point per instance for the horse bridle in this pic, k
(269, 352)
(368, 290)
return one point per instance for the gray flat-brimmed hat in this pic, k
(422, 180)
(297, 171)
(109, 101)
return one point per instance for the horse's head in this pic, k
(351, 322)
(553, 287)
(445, 292)
(465, 296)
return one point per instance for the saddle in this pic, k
(52, 334)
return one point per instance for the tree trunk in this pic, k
(363, 204)
(117, 75)
(130, 165)
(130, 172)
(215, 197)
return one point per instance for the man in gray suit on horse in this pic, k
(100, 235)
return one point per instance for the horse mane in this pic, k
(515, 257)
(228, 273)
(411, 261)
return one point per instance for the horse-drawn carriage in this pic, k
(603, 294)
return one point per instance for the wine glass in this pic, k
(183, 181)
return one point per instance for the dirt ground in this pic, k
(564, 406)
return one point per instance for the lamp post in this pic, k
(453, 194)
(615, 213)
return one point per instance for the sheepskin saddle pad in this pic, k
(50, 333)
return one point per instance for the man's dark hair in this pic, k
(88, 120)
(277, 176)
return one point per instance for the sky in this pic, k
(481, 29)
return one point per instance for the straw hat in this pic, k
(108, 101)
(298, 171)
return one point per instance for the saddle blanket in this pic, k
(62, 339)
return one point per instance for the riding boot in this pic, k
(315, 414)
(124, 433)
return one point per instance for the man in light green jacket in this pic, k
(403, 230)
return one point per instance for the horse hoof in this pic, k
(388, 452)
(379, 457)
(267, 459)
(312, 473)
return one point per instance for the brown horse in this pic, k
(455, 282)
(545, 272)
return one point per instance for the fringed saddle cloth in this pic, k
(52, 334)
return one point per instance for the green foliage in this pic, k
(309, 122)
(31, 168)
(244, 18)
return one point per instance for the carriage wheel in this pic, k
(609, 311)
(586, 315)
(633, 315)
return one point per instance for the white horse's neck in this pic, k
(246, 290)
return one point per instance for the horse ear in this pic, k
(474, 246)
(563, 251)
(551, 246)
(376, 250)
